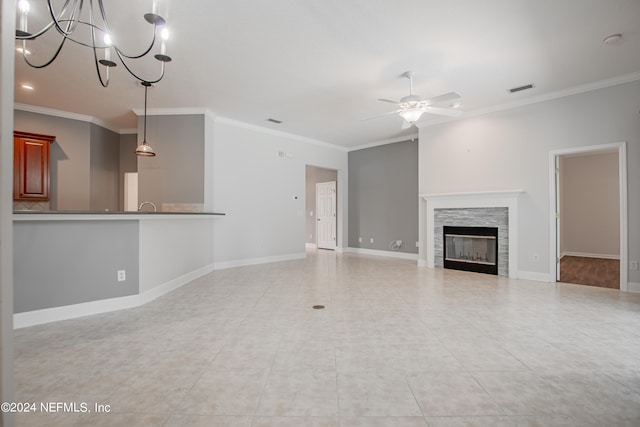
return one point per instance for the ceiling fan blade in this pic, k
(381, 115)
(442, 98)
(388, 100)
(443, 111)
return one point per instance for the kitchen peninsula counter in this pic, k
(104, 215)
(76, 263)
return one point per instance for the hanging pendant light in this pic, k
(144, 149)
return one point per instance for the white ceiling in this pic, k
(320, 65)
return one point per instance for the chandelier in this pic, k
(70, 20)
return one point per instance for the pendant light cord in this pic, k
(145, 114)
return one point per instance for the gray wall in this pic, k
(314, 175)
(176, 174)
(58, 263)
(590, 204)
(383, 201)
(86, 162)
(128, 163)
(70, 157)
(103, 168)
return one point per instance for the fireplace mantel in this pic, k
(480, 199)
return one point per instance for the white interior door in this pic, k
(326, 215)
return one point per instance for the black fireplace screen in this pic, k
(471, 249)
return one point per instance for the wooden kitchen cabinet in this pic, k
(31, 166)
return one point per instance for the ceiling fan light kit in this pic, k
(411, 115)
(412, 107)
(71, 20)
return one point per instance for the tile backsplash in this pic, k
(31, 206)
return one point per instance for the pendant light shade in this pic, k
(144, 149)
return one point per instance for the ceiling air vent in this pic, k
(274, 120)
(521, 88)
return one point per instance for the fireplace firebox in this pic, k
(471, 249)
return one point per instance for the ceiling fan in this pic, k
(413, 106)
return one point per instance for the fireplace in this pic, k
(478, 209)
(471, 249)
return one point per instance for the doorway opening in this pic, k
(321, 207)
(588, 216)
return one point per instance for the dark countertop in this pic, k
(30, 212)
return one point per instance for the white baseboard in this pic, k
(535, 276)
(310, 245)
(55, 314)
(262, 260)
(633, 287)
(174, 284)
(588, 255)
(390, 254)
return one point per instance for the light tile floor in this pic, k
(396, 345)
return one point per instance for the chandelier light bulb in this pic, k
(164, 34)
(24, 7)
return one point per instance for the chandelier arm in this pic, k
(38, 34)
(93, 27)
(57, 20)
(137, 76)
(46, 64)
(121, 53)
(153, 42)
(48, 26)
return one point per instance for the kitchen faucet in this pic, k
(147, 203)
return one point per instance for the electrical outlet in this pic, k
(536, 257)
(122, 275)
(359, 239)
(371, 240)
(417, 244)
(633, 265)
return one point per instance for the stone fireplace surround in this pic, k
(485, 199)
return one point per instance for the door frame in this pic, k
(621, 148)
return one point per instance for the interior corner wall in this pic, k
(313, 176)
(7, 84)
(383, 206)
(176, 174)
(104, 169)
(263, 193)
(509, 149)
(590, 205)
(127, 162)
(70, 160)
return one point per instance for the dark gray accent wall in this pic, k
(58, 263)
(103, 168)
(128, 163)
(314, 175)
(383, 196)
(176, 174)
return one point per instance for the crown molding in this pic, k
(173, 111)
(236, 123)
(65, 115)
(575, 90)
(409, 137)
